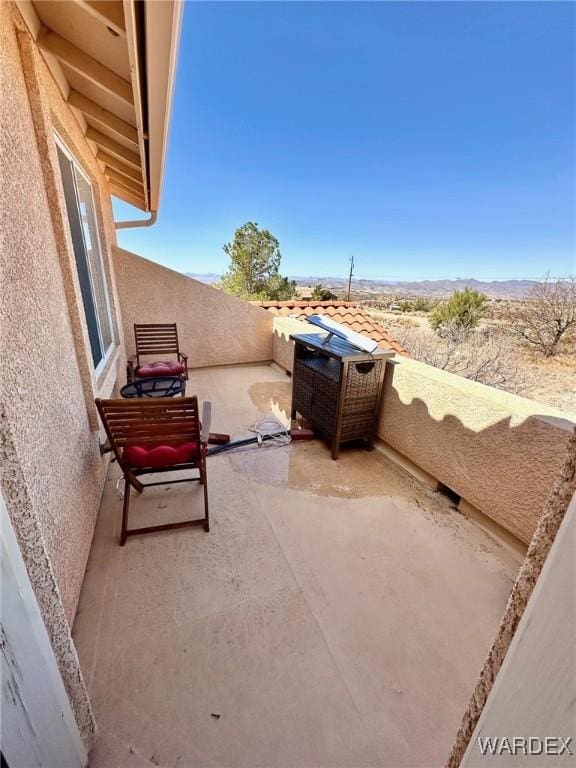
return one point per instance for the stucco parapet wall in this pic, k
(214, 328)
(283, 348)
(516, 613)
(500, 452)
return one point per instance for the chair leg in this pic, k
(204, 481)
(125, 511)
(134, 482)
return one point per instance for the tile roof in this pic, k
(346, 312)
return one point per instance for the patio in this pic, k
(337, 614)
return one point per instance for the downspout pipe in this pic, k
(137, 222)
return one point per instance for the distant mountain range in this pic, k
(208, 277)
(494, 289)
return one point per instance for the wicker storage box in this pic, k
(337, 387)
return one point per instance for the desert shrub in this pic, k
(419, 304)
(459, 315)
(486, 357)
(548, 316)
(424, 304)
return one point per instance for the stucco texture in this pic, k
(283, 348)
(213, 327)
(500, 452)
(14, 490)
(46, 386)
(549, 524)
(53, 481)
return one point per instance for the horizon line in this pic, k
(378, 278)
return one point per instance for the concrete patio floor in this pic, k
(337, 614)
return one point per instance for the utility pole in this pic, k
(350, 276)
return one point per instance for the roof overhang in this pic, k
(115, 64)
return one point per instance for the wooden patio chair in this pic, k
(158, 341)
(154, 435)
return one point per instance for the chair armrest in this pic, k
(206, 419)
(130, 369)
(184, 360)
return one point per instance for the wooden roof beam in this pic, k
(118, 165)
(103, 116)
(85, 65)
(118, 150)
(109, 12)
(124, 181)
(128, 197)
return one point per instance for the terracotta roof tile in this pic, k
(345, 312)
(296, 303)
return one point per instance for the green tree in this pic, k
(322, 294)
(279, 289)
(254, 264)
(462, 312)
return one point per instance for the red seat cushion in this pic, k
(160, 368)
(161, 455)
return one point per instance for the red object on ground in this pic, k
(302, 434)
(218, 438)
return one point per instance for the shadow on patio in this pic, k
(337, 614)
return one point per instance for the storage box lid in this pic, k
(338, 348)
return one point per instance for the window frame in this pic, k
(77, 168)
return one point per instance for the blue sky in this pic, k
(430, 140)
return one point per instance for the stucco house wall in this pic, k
(48, 382)
(52, 471)
(214, 328)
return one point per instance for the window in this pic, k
(88, 255)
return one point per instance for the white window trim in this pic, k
(106, 354)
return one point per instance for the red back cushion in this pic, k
(160, 455)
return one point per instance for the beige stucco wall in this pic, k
(526, 686)
(283, 348)
(213, 327)
(540, 665)
(500, 452)
(52, 471)
(48, 382)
